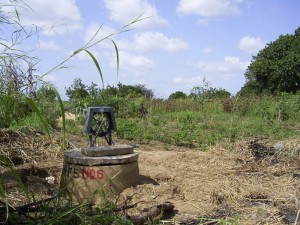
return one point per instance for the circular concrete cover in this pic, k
(112, 150)
(75, 156)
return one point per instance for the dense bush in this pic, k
(177, 95)
(12, 109)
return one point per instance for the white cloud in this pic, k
(154, 40)
(49, 78)
(49, 45)
(202, 22)
(53, 16)
(125, 11)
(137, 64)
(207, 50)
(125, 44)
(192, 81)
(251, 45)
(223, 73)
(229, 66)
(148, 41)
(211, 8)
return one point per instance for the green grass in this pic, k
(29, 124)
(219, 122)
(201, 129)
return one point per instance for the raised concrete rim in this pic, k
(113, 150)
(74, 156)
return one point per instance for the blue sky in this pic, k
(183, 41)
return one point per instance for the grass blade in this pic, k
(17, 14)
(97, 65)
(99, 190)
(38, 112)
(139, 18)
(77, 51)
(16, 175)
(4, 200)
(117, 56)
(62, 111)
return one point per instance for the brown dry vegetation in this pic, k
(251, 183)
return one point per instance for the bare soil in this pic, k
(250, 182)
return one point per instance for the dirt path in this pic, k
(219, 184)
(186, 178)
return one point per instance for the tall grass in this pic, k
(185, 122)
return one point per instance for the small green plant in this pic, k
(56, 210)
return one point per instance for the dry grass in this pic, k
(33, 157)
(240, 186)
(254, 183)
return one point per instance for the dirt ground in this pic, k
(252, 182)
(219, 184)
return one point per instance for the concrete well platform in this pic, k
(87, 177)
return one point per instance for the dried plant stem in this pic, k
(296, 220)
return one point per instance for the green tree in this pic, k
(177, 95)
(276, 68)
(93, 90)
(206, 91)
(220, 93)
(78, 90)
(137, 90)
(45, 93)
(110, 90)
